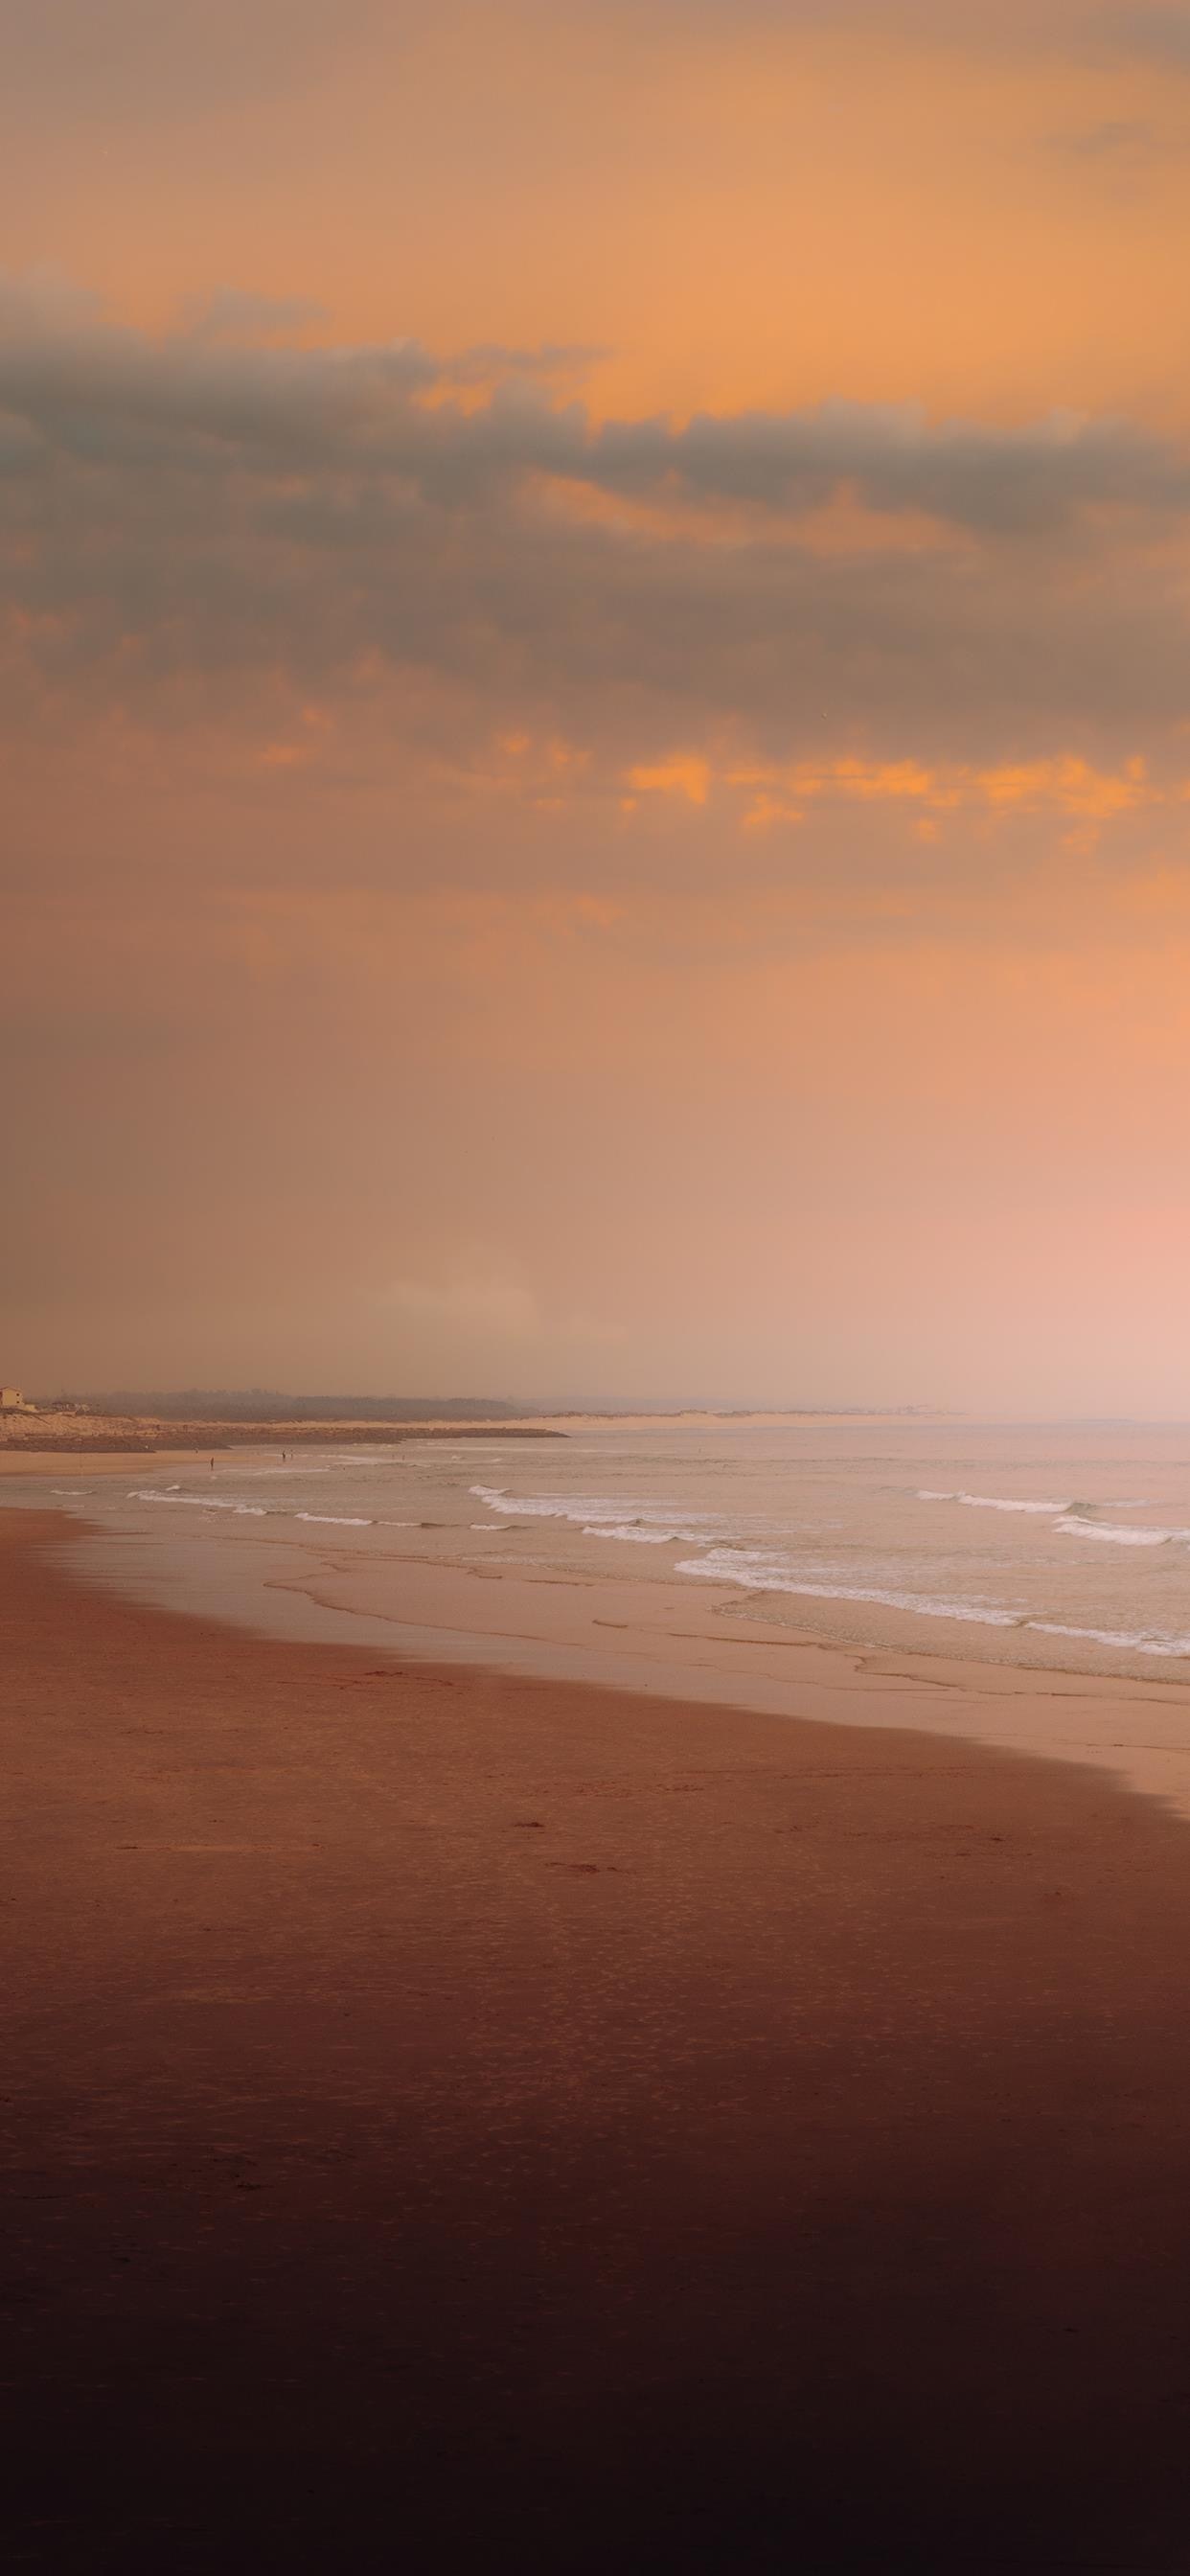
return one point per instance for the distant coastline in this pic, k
(82, 1435)
(80, 1427)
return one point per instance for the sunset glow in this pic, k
(594, 652)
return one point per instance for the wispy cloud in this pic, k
(1113, 139)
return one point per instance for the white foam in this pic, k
(1130, 1643)
(639, 1532)
(1117, 1536)
(532, 1507)
(760, 1574)
(992, 1502)
(258, 1473)
(200, 1502)
(335, 1520)
(542, 1507)
(757, 1574)
(597, 1517)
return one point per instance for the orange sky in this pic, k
(597, 757)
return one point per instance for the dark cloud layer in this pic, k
(1154, 34)
(125, 59)
(1153, 30)
(182, 508)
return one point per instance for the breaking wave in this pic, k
(654, 1525)
(1145, 1642)
(336, 1520)
(1074, 1526)
(761, 1574)
(757, 1573)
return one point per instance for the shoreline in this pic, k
(457, 2109)
(610, 1615)
(651, 1634)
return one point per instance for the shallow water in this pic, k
(1045, 1546)
(699, 1557)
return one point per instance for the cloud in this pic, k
(1007, 481)
(222, 392)
(1158, 35)
(138, 64)
(87, 388)
(209, 397)
(1148, 29)
(131, 59)
(230, 313)
(209, 511)
(1113, 139)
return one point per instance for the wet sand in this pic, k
(20, 1459)
(454, 2113)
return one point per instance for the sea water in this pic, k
(1045, 1546)
(687, 1554)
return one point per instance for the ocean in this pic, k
(695, 1554)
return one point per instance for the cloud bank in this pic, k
(209, 502)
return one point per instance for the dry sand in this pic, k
(453, 2114)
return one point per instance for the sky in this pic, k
(595, 727)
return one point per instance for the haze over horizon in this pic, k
(263, 1404)
(595, 738)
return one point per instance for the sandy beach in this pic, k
(594, 1372)
(456, 2112)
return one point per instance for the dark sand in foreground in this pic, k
(453, 2114)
